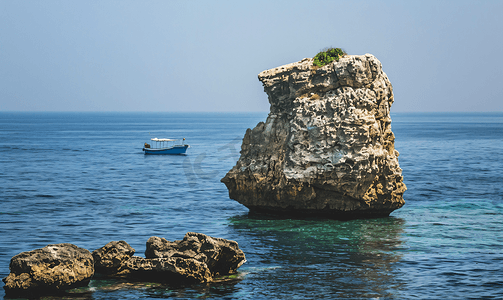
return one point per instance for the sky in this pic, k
(204, 56)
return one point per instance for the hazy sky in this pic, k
(205, 55)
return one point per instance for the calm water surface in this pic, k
(82, 178)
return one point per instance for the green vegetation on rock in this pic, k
(327, 56)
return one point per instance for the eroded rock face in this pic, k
(111, 259)
(326, 147)
(50, 269)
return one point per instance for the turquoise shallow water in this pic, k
(82, 178)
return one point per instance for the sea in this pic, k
(82, 178)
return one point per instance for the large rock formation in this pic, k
(51, 269)
(326, 148)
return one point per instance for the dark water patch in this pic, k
(44, 196)
(11, 213)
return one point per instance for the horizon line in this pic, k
(186, 111)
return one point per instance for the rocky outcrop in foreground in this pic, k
(326, 147)
(51, 269)
(219, 256)
(195, 259)
(111, 259)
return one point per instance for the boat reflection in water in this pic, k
(165, 146)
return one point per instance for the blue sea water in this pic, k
(82, 178)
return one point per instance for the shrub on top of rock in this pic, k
(327, 56)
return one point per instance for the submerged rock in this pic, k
(51, 269)
(326, 147)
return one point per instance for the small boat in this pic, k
(165, 146)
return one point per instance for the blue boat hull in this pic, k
(171, 150)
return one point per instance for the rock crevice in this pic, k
(326, 147)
